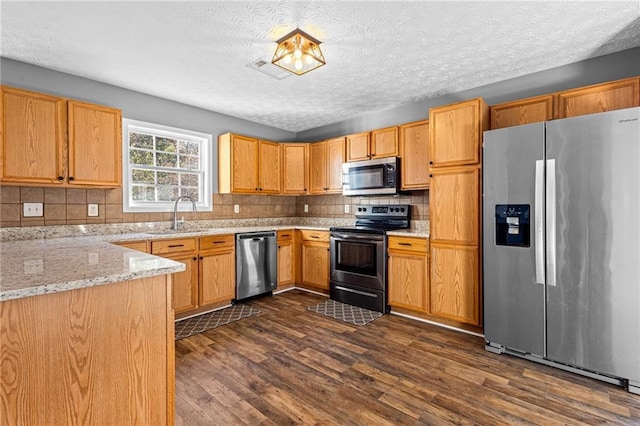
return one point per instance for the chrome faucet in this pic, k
(175, 211)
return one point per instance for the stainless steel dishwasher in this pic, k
(256, 264)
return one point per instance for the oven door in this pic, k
(358, 259)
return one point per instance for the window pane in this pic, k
(143, 193)
(167, 160)
(167, 178)
(189, 163)
(167, 193)
(186, 147)
(142, 176)
(189, 179)
(137, 156)
(166, 144)
(191, 192)
(140, 140)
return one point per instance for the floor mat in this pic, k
(194, 325)
(347, 313)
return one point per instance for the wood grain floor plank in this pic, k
(291, 366)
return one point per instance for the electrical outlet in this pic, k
(236, 208)
(32, 209)
(346, 208)
(92, 210)
(306, 208)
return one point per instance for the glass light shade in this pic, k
(299, 45)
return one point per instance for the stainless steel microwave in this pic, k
(371, 177)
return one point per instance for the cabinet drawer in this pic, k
(308, 235)
(285, 235)
(216, 241)
(173, 246)
(134, 245)
(415, 244)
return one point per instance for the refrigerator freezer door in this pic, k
(513, 301)
(593, 314)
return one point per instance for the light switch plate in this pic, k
(236, 208)
(92, 210)
(346, 208)
(32, 210)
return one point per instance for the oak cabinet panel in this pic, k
(384, 142)
(454, 289)
(185, 284)
(295, 170)
(414, 153)
(217, 276)
(318, 167)
(326, 160)
(286, 264)
(269, 167)
(52, 141)
(172, 246)
(603, 97)
(315, 264)
(456, 133)
(237, 164)
(142, 246)
(455, 205)
(357, 147)
(335, 158)
(522, 111)
(95, 148)
(408, 272)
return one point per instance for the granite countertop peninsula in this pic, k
(48, 259)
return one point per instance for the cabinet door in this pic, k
(32, 148)
(269, 168)
(95, 145)
(408, 281)
(599, 98)
(217, 277)
(384, 143)
(523, 111)
(455, 289)
(414, 153)
(358, 147)
(295, 173)
(185, 284)
(454, 205)
(244, 158)
(335, 158)
(285, 264)
(315, 265)
(318, 167)
(456, 133)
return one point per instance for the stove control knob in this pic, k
(402, 209)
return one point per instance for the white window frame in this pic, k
(206, 166)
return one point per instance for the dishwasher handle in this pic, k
(256, 236)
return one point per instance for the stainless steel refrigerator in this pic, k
(561, 245)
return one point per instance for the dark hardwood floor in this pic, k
(290, 366)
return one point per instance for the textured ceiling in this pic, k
(379, 54)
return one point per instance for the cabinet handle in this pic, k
(430, 162)
(218, 242)
(286, 235)
(201, 257)
(314, 236)
(71, 178)
(60, 177)
(305, 189)
(176, 245)
(195, 258)
(256, 188)
(279, 247)
(430, 175)
(259, 189)
(404, 244)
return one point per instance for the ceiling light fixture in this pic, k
(298, 52)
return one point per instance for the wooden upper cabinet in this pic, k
(358, 147)
(384, 142)
(522, 111)
(454, 205)
(35, 149)
(295, 170)
(269, 167)
(237, 164)
(414, 153)
(456, 133)
(325, 165)
(95, 145)
(603, 97)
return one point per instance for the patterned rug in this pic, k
(194, 325)
(347, 313)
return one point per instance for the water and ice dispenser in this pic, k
(512, 225)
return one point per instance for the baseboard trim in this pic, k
(450, 327)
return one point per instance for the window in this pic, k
(162, 163)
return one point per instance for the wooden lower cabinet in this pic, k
(314, 259)
(286, 264)
(408, 274)
(454, 290)
(96, 355)
(185, 284)
(217, 276)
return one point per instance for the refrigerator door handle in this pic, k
(539, 222)
(550, 203)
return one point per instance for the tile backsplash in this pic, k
(69, 206)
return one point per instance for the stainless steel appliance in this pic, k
(371, 177)
(561, 244)
(256, 264)
(358, 256)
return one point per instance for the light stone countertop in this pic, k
(43, 260)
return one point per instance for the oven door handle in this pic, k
(358, 237)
